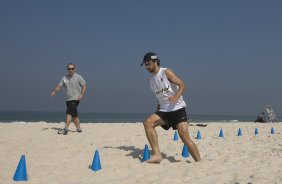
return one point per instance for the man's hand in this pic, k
(173, 99)
(53, 93)
(80, 97)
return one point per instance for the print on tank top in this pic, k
(163, 89)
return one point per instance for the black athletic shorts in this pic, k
(72, 107)
(171, 119)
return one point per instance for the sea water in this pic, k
(59, 117)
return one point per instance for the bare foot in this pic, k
(155, 159)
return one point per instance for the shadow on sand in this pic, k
(58, 129)
(137, 153)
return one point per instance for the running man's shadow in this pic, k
(138, 153)
(53, 128)
(57, 129)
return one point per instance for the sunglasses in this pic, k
(70, 68)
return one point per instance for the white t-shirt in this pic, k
(164, 89)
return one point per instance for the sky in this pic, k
(228, 53)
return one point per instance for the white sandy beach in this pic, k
(59, 159)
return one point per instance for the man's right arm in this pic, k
(57, 89)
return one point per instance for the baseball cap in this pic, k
(148, 57)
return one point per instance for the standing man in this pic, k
(76, 88)
(171, 112)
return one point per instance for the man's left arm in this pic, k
(84, 87)
(173, 78)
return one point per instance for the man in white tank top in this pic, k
(171, 112)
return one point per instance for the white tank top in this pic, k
(164, 89)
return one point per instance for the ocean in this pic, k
(59, 117)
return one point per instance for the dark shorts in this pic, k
(171, 119)
(72, 107)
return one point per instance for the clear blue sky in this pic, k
(229, 53)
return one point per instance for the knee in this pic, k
(184, 136)
(148, 124)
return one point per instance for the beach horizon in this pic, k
(107, 117)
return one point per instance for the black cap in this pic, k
(149, 56)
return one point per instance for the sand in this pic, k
(60, 159)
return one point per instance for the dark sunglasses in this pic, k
(70, 68)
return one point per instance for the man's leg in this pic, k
(68, 115)
(149, 124)
(68, 121)
(77, 123)
(65, 130)
(184, 135)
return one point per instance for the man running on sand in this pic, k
(171, 112)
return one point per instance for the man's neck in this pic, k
(70, 75)
(156, 71)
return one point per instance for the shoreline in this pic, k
(56, 117)
(134, 122)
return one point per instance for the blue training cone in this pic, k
(221, 133)
(272, 130)
(199, 135)
(256, 131)
(185, 152)
(175, 137)
(146, 153)
(20, 174)
(96, 164)
(239, 132)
